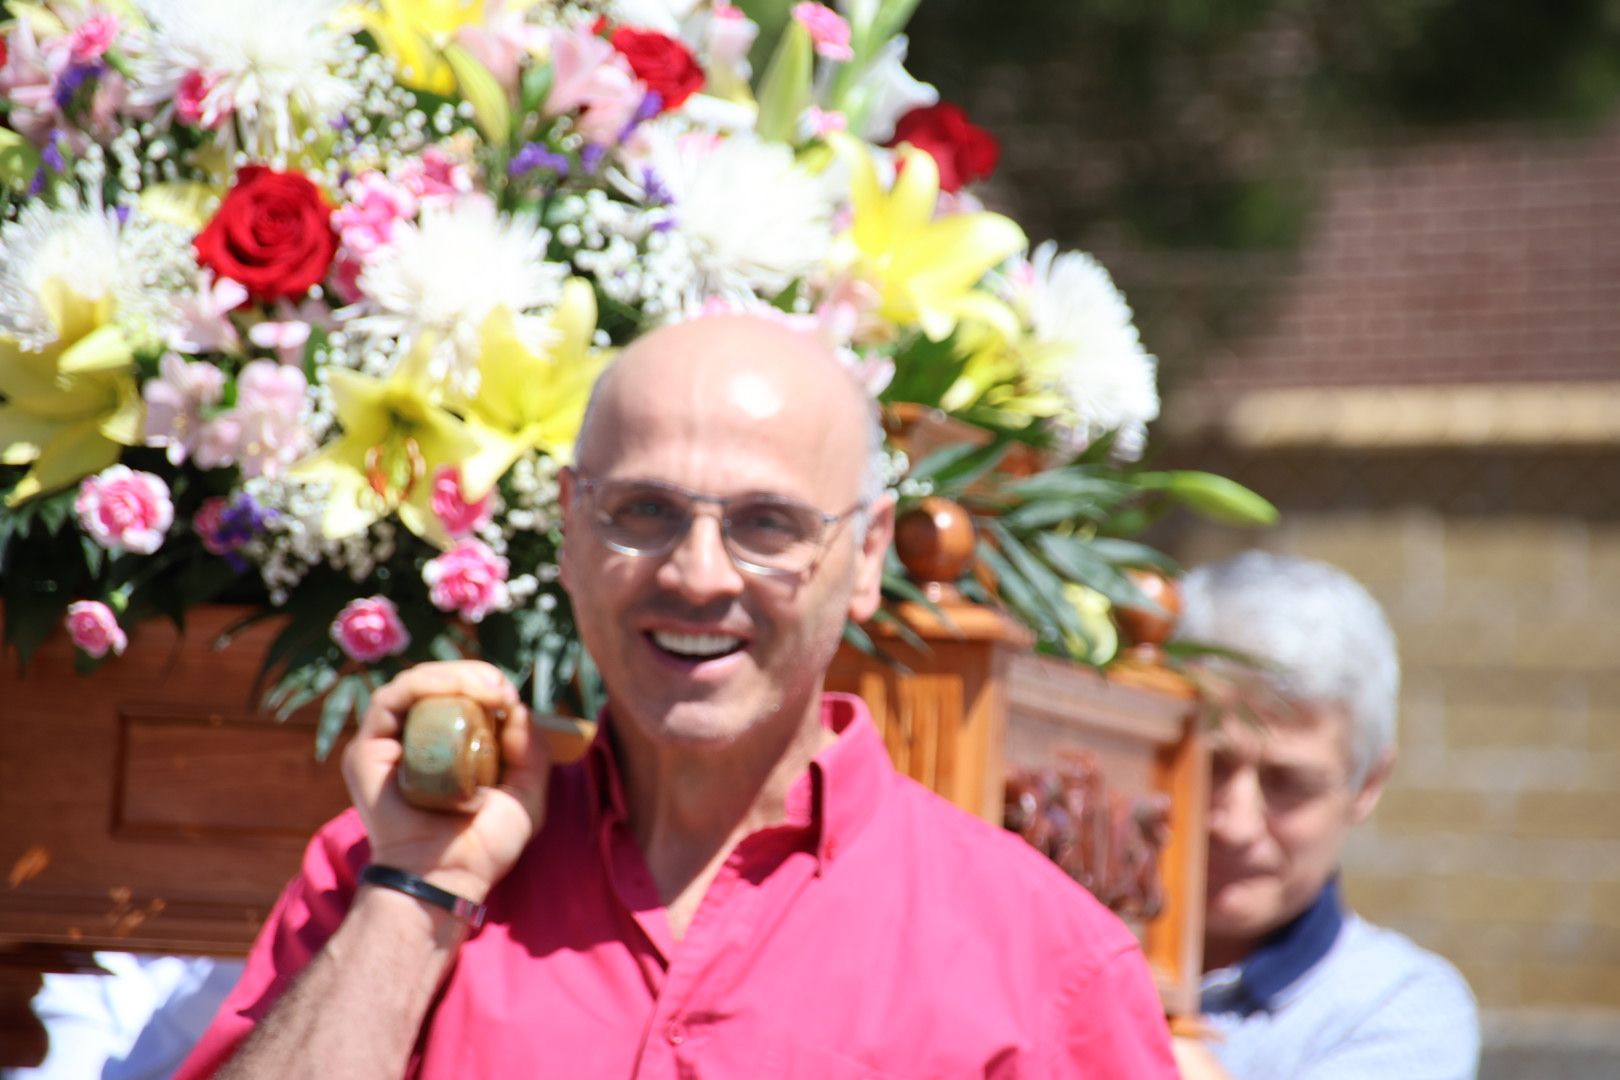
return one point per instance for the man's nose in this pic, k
(1237, 809)
(700, 568)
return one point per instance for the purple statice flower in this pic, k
(226, 526)
(653, 189)
(651, 105)
(538, 156)
(51, 156)
(73, 77)
(36, 186)
(121, 212)
(590, 158)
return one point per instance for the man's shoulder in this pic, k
(994, 871)
(1383, 962)
(1377, 978)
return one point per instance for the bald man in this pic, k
(734, 882)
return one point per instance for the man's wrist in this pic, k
(425, 891)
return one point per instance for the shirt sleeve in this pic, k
(307, 913)
(1426, 1029)
(1110, 1023)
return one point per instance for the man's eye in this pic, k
(764, 519)
(647, 509)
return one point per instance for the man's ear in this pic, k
(869, 556)
(1372, 788)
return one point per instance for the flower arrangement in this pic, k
(301, 306)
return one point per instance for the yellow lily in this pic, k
(412, 33)
(70, 407)
(396, 436)
(530, 400)
(926, 269)
(1017, 376)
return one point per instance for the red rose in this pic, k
(963, 151)
(273, 234)
(661, 62)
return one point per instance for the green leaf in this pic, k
(1215, 497)
(1077, 560)
(784, 93)
(891, 18)
(1045, 513)
(1072, 482)
(1017, 593)
(335, 714)
(536, 87)
(954, 468)
(907, 634)
(1130, 553)
(924, 370)
(483, 92)
(19, 161)
(1047, 585)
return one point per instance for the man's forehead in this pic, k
(725, 379)
(1280, 730)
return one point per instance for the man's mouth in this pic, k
(696, 646)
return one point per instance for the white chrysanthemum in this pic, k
(1086, 333)
(753, 219)
(266, 61)
(443, 276)
(140, 263)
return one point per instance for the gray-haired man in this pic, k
(1297, 986)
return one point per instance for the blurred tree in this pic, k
(1179, 138)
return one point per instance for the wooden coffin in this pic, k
(150, 807)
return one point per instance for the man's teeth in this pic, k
(696, 645)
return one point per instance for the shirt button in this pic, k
(675, 1033)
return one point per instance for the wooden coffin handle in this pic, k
(452, 749)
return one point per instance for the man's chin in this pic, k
(1243, 909)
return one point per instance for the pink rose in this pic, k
(458, 516)
(469, 579)
(369, 629)
(828, 30)
(124, 510)
(94, 628)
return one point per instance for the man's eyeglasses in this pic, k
(763, 534)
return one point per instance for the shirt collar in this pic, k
(1285, 957)
(836, 795)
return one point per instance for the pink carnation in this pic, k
(370, 629)
(828, 30)
(203, 100)
(451, 507)
(94, 628)
(124, 510)
(469, 579)
(92, 38)
(375, 204)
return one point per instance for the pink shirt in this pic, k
(880, 932)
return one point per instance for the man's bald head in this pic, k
(756, 368)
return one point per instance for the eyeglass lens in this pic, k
(766, 530)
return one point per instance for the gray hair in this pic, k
(1326, 636)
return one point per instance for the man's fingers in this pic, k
(482, 682)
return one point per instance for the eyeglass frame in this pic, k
(830, 523)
